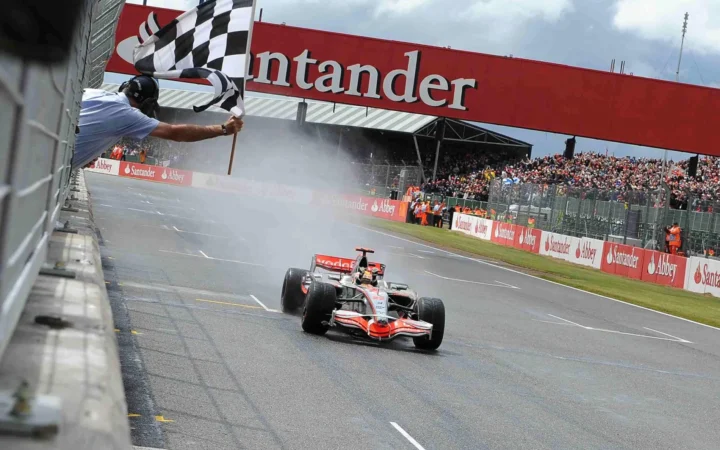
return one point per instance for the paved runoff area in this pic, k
(209, 363)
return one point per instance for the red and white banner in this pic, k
(624, 260)
(558, 245)
(156, 173)
(106, 166)
(436, 81)
(527, 239)
(382, 208)
(665, 269)
(503, 234)
(703, 276)
(472, 225)
(588, 252)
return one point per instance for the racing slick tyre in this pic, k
(431, 310)
(292, 297)
(319, 305)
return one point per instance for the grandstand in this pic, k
(385, 142)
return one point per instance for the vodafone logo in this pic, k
(617, 256)
(336, 263)
(663, 268)
(560, 247)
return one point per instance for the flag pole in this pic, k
(232, 154)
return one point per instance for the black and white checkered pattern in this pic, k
(210, 42)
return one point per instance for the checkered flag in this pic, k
(211, 42)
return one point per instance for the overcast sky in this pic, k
(586, 33)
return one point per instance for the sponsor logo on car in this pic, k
(338, 263)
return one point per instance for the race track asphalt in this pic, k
(195, 277)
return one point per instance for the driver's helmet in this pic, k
(366, 277)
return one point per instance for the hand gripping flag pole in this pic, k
(212, 42)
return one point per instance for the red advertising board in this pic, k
(622, 260)
(665, 269)
(503, 234)
(382, 208)
(155, 173)
(527, 239)
(437, 81)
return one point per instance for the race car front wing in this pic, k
(377, 329)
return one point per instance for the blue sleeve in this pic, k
(137, 125)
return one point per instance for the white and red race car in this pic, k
(352, 295)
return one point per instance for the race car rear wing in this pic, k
(334, 263)
(342, 265)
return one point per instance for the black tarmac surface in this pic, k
(209, 363)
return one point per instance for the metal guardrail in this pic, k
(39, 109)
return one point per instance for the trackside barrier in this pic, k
(693, 274)
(39, 108)
(633, 262)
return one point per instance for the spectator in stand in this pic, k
(616, 176)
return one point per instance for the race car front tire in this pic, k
(292, 296)
(319, 305)
(431, 310)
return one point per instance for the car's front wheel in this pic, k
(319, 305)
(292, 296)
(431, 310)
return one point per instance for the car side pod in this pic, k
(431, 310)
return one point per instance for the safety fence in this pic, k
(695, 274)
(385, 180)
(629, 217)
(39, 109)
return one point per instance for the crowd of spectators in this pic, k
(472, 178)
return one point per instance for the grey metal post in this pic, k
(437, 156)
(417, 149)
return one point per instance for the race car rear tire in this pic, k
(319, 305)
(292, 296)
(431, 310)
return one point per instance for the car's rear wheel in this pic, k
(431, 310)
(292, 296)
(319, 305)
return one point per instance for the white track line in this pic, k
(660, 332)
(416, 256)
(212, 259)
(407, 436)
(537, 278)
(565, 320)
(427, 251)
(674, 339)
(204, 234)
(262, 304)
(203, 253)
(502, 285)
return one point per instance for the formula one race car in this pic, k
(352, 295)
